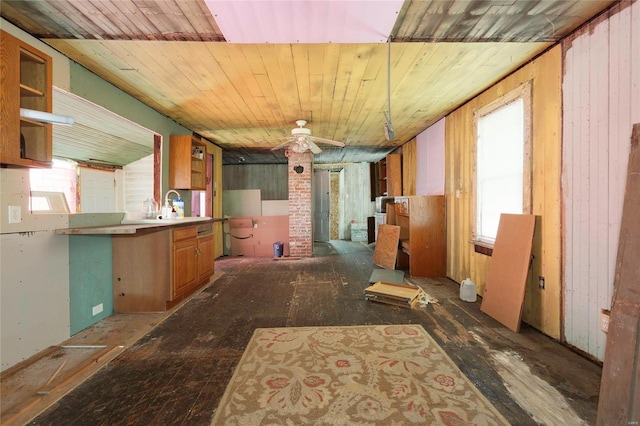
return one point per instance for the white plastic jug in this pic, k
(468, 291)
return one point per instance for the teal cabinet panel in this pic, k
(90, 280)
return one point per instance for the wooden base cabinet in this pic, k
(153, 271)
(205, 256)
(422, 235)
(141, 272)
(192, 258)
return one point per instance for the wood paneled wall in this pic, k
(542, 307)
(216, 151)
(138, 181)
(600, 107)
(355, 197)
(409, 167)
(353, 204)
(270, 179)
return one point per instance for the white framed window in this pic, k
(48, 202)
(48, 186)
(502, 178)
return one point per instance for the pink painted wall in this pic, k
(430, 160)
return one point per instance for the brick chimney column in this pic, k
(300, 171)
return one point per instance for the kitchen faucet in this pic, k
(166, 210)
(166, 196)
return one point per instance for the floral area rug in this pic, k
(358, 375)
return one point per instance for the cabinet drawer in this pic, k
(184, 233)
(204, 230)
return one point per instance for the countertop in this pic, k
(131, 227)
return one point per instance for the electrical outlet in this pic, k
(15, 214)
(541, 282)
(97, 309)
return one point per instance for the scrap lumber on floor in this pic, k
(393, 294)
(40, 381)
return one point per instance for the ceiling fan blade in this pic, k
(283, 144)
(328, 141)
(313, 147)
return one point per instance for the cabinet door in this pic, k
(394, 175)
(205, 256)
(186, 163)
(184, 266)
(381, 176)
(25, 83)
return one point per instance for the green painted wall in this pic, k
(94, 89)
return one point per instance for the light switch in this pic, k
(15, 214)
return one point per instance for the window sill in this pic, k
(482, 247)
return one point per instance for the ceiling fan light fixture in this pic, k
(298, 148)
(302, 141)
(301, 132)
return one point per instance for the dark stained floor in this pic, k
(177, 373)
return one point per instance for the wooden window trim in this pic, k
(523, 91)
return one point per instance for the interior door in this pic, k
(97, 191)
(321, 201)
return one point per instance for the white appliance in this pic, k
(381, 219)
(381, 204)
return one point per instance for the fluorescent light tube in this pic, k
(45, 117)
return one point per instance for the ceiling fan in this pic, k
(301, 140)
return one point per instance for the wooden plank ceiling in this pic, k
(172, 56)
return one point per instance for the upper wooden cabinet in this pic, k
(381, 176)
(386, 177)
(25, 82)
(394, 175)
(186, 163)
